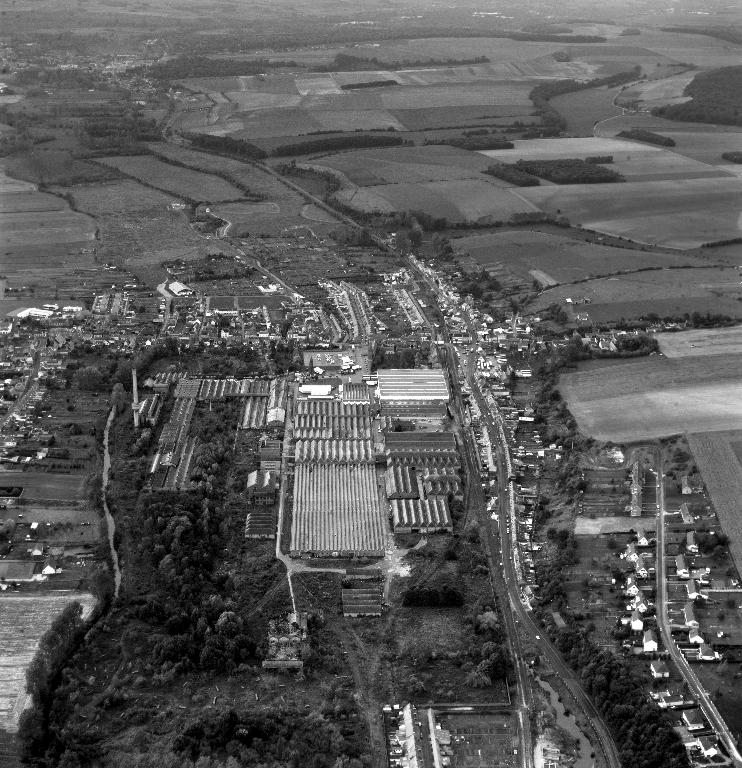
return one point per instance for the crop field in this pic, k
(655, 397)
(183, 182)
(667, 292)
(702, 342)
(635, 161)
(283, 207)
(717, 457)
(561, 258)
(23, 620)
(474, 200)
(681, 213)
(582, 109)
(371, 167)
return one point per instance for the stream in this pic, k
(110, 524)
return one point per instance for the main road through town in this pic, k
(694, 685)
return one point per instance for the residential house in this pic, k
(632, 588)
(649, 642)
(689, 616)
(690, 543)
(693, 592)
(693, 719)
(659, 670)
(670, 700)
(709, 746)
(707, 653)
(695, 636)
(637, 623)
(681, 567)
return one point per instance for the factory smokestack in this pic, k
(135, 395)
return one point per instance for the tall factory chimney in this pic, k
(135, 395)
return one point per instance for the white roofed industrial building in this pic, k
(400, 384)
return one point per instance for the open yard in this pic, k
(655, 397)
(717, 457)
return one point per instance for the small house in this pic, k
(690, 543)
(681, 567)
(693, 592)
(689, 616)
(695, 636)
(649, 642)
(693, 719)
(659, 670)
(709, 746)
(707, 653)
(637, 623)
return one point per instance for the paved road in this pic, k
(709, 709)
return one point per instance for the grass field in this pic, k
(582, 109)
(702, 342)
(184, 182)
(562, 258)
(657, 93)
(45, 485)
(667, 292)
(722, 472)
(655, 397)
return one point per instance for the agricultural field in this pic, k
(678, 213)
(280, 208)
(582, 109)
(656, 93)
(183, 182)
(633, 160)
(467, 200)
(557, 258)
(395, 165)
(138, 228)
(717, 455)
(655, 397)
(666, 292)
(701, 342)
(23, 620)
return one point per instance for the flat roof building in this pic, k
(406, 384)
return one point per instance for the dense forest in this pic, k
(346, 62)
(716, 97)
(513, 175)
(226, 145)
(186, 66)
(569, 170)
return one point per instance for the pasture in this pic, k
(23, 620)
(183, 182)
(666, 292)
(717, 457)
(701, 342)
(630, 401)
(563, 259)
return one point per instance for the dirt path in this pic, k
(359, 660)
